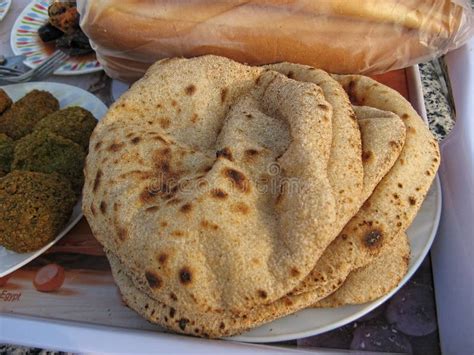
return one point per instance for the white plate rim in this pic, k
(436, 186)
(73, 220)
(9, 3)
(59, 72)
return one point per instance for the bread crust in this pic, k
(336, 36)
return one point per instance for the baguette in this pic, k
(339, 36)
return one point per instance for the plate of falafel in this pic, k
(44, 139)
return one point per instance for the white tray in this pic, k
(110, 339)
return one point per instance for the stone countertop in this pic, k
(437, 98)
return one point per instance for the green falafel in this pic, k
(33, 209)
(20, 119)
(6, 154)
(74, 123)
(47, 152)
(5, 101)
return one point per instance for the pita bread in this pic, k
(396, 200)
(363, 285)
(267, 211)
(209, 280)
(345, 171)
(212, 324)
(398, 197)
(375, 279)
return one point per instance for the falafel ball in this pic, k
(46, 152)
(20, 119)
(74, 123)
(5, 101)
(6, 154)
(33, 209)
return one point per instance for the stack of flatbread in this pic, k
(227, 196)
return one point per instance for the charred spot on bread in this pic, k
(185, 276)
(122, 233)
(162, 258)
(182, 323)
(373, 239)
(103, 207)
(241, 207)
(250, 154)
(224, 93)
(367, 156)
(136, 140)
(98, 145)
(209, 225)
(218, 193)
(238, 179)
(190, 89)
(115, 147)
(152, 209)
(294, 272)
(186, 208)
(154, 281)
(164, 122)
(225, 153)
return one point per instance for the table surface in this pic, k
(89, 261)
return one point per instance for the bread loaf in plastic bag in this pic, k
(339, 36)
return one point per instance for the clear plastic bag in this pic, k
(340, 36)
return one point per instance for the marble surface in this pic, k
(377, 323)
(437, 98)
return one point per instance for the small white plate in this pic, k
(313, 321)
(67, 95)
(4, 7)
(24, 39)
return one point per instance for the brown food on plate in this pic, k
(46, 152)
(5, 101)
(6, 154)
(33, 209)
(20, 119)
(63, 29)
(339, 36)
(63, 15)
(74, 123)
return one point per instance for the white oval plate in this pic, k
(24, 39)
(313, 321)
(67, 95)
(4, 7)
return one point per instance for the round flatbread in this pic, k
(205, 211)
(211, 324)
(345, 171)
